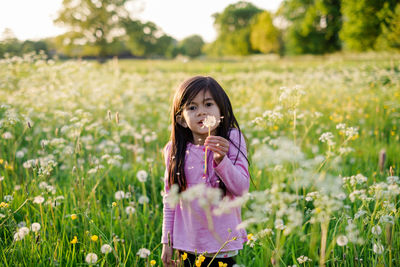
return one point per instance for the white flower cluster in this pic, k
(327, 138)
(355, 179)
(303, 259)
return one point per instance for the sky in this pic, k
(33, 19)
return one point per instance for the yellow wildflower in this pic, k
(74, 217)
(114, 204)
(250, 236)
(184, 256)
(94, 238)
(221, 264)
(202, 258)
(152, 262)
(75, 240)
(1, 161)
(198, 263)
(318, 210)
(3, 205)
(9, 167)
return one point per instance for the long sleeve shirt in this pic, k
(186, 224)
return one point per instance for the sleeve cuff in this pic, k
(219, 167)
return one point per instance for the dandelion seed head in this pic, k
(142, 176)
(143, 199)
(342, 240)
(35, 227)
(91, 258)
(129, 210)
(209, 121)
(143, 253)
(119, 195)
(106, 248)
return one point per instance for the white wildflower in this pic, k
(38, 200)
(303, 259)
(279, 224)
(8, 198)
(341, 126)
(378, 248)
(327, 138)
(351, 131)
(7, 135)
(43, 185)
(392, 179)
(143, 253)
(376, 230)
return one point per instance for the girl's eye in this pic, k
(209, 104)
(192, 107)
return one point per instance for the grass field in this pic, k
(81, 165)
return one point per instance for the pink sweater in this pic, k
(187, 223)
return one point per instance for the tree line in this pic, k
(106, 28)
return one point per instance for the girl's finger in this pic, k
(216, 138)
(217, 150)
(219, 142)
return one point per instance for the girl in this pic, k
(185, 226)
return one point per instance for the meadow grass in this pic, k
(80, 154)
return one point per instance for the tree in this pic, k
(191, 46)
(390, 28)
(314, 25)
(264, 36)
(94, 23)
(146, 39)
(9, 44)
(233, 29)
(364, 21)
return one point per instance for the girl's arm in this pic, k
(168, 212)
(235, 176)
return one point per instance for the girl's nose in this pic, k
(201, 111)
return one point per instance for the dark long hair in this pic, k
(180, 135)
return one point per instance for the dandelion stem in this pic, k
(205, 155)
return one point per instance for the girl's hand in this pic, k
(166, 255)
(218, 145)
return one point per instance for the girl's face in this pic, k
(195, 112)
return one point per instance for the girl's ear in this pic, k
(181, 121)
